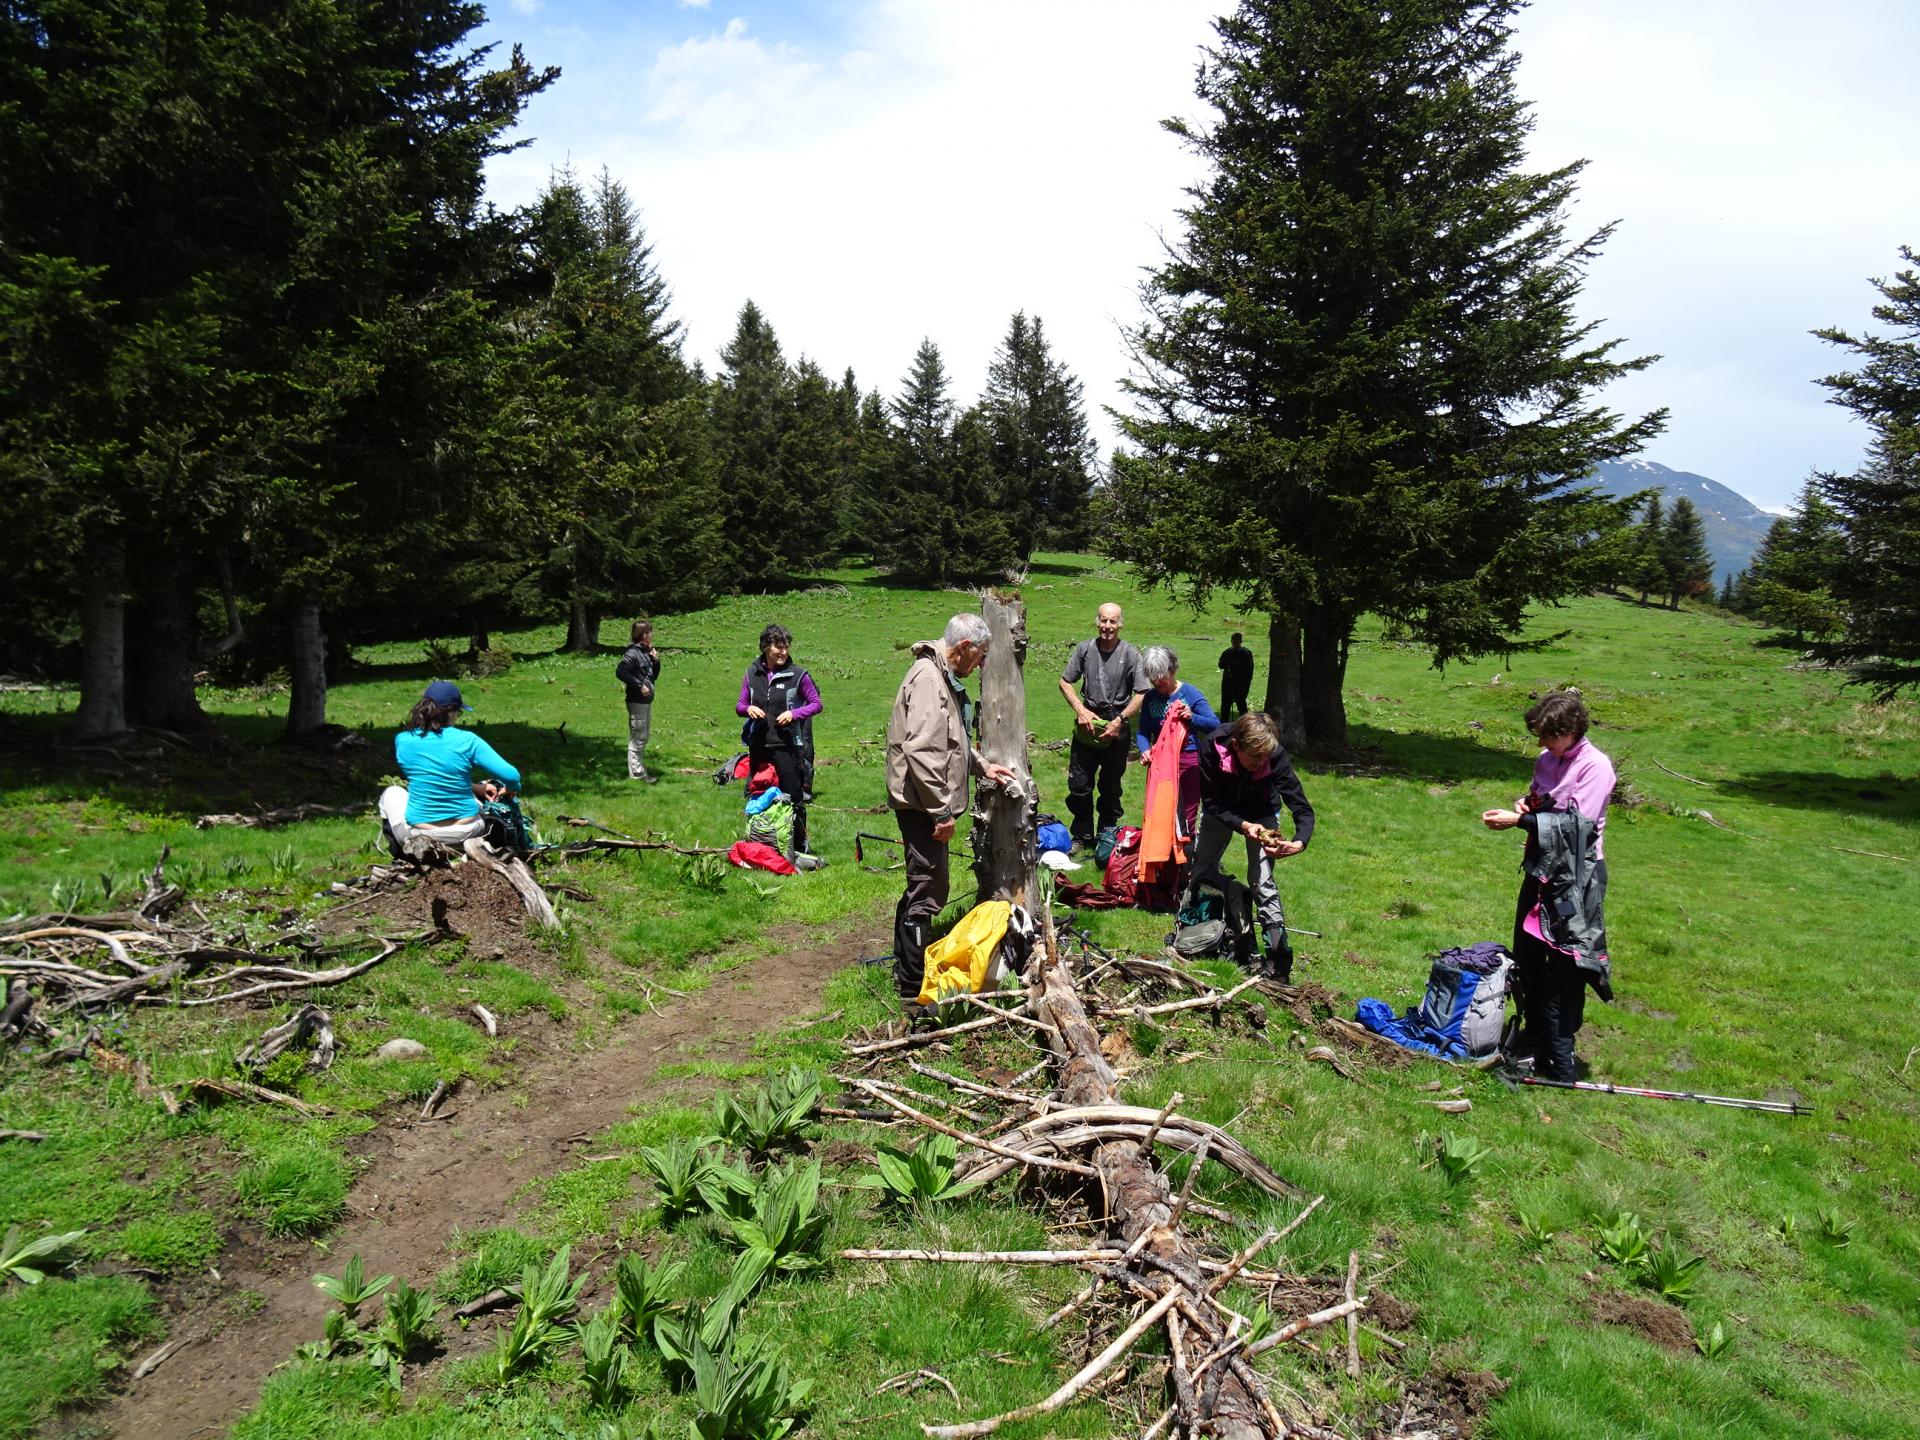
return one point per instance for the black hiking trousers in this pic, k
(1553, 993)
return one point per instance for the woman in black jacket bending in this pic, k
(1245, 777)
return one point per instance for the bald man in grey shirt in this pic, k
(1112, 683)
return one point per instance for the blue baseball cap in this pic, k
(445, 692)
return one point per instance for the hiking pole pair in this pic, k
(1771, 1107)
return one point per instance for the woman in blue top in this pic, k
(438, 759)
(1168, 698)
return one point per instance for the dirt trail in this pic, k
(425, 1180)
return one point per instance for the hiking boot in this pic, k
(1277, 964)
(909, 957)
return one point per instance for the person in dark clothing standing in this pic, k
(1236, 677)
(1245, 777)
(1112, 685)
(778, 699)
(639, 670)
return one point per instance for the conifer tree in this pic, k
(1686, 567)
(933, 493)
(1789, 583)
(610, 437)
(252, 289)
(1646, 563)
(1043, 457)
(1362, 384)
(780, 521)
(1878, 581)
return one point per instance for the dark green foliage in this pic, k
(1790, 581)
(1645, 567)
(1877, 582)
(779, 449)
(1043, 458)
(1362, 384)
(931, 487)
(244, 241)
(604, 423)
(1686, 567)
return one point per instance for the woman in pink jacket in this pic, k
(1572, 773)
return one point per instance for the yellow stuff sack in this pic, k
(958, 962)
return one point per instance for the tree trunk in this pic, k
(478, 644)
(1323, 678)
(1004, 849)
(1139, 1200)
(162, 661)
(583, 629)
(307, 664)
(103, 644)
(1283, 680)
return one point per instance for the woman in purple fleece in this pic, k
(779, 700)
(1571, 774)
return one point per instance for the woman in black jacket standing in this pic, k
(1245, 777)
(778, 699)
(638, 670)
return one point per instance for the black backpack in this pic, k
(1217, 921)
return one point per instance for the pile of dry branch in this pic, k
(69, 969)
(1074, 1142)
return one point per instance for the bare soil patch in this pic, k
(1662, 1324)
(425, 1180)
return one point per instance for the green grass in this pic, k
(1760, 958)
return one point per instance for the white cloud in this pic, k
(526, 7)
(934, 165)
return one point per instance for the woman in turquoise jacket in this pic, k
(438, 759)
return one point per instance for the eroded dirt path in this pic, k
(425, 1180)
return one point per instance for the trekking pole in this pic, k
(860, 855)
(1771, 1107)
(1296, 930)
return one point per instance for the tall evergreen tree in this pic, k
(1789, 583)
(780, 522)
(241, 234)
(1686, 567)
(1362, 384)
(1646, 566)
(1043, 457)
(624, 486)
(933, 494)
(1878, 583)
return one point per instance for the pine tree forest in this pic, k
(232, 449)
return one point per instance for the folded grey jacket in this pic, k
(1573, 890)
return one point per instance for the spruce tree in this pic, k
(1043, 457)
(780, 520)
(1789, 583)
(1878, 581)
(609, 421)
(1362, 384)
(1686, 567)
(243, 237)
(1646, 563)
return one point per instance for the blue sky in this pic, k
(874, 171)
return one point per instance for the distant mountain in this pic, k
(1735, 525)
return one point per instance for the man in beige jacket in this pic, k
(930, 755)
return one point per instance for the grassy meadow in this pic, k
(1764, 880)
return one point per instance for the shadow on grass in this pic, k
(1434, 759)
(1884, 797)
(244, 764)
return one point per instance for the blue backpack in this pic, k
(1466, 1001)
